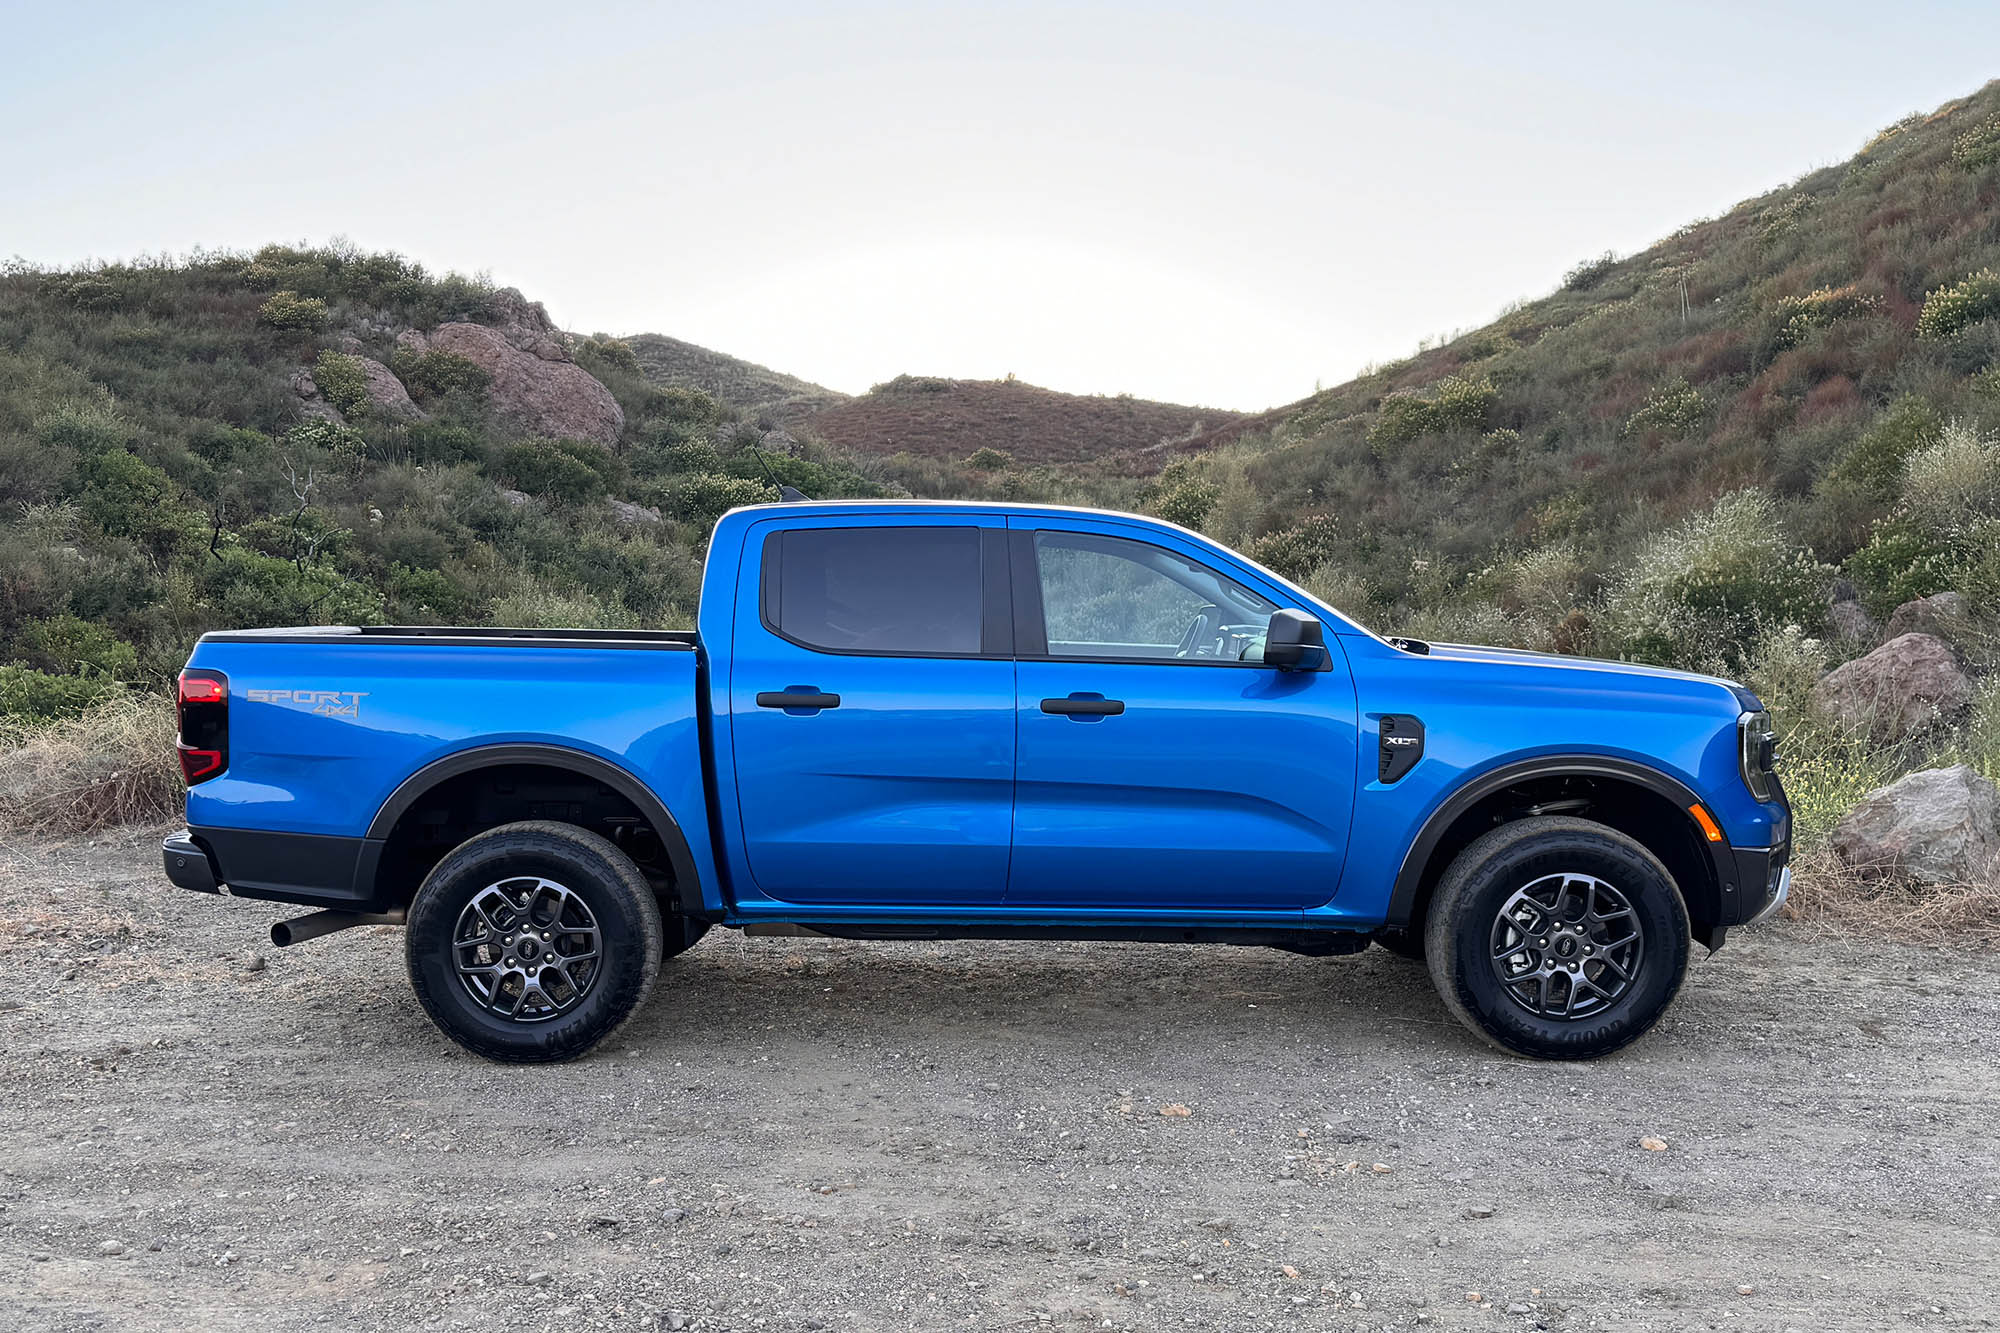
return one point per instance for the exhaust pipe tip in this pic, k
(311, 926)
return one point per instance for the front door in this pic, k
(1161, 764)
(872, 711)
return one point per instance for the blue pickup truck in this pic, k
(912, 720)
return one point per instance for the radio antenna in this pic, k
(786, 494)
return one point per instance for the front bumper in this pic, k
(1763, 881)
(1777, 899)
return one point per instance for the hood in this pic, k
(1465, 652)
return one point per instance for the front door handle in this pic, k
(803, 700)
(1084, 705)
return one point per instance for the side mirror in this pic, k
(1295, 641)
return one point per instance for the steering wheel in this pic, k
(1203, 626)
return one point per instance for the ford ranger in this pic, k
(911, 720)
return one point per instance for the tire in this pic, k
(582, 891)
(1403, 943)
(1539, 870)
(680, 933)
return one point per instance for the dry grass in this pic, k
(114, 765)
(1826, 893)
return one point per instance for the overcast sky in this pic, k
(1221, 204)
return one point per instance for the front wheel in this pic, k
(1557, 938)
(532, 942)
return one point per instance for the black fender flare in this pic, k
(687, 879)
(1705, 902)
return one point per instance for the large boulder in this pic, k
(535, 385)
(1851, 623)
(387, 398)
(1941, 615)
(1907, 685)
(1937, 827)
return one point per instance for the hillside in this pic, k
(1777, 371)
(674, 364)
(933, 417)
(325, 436)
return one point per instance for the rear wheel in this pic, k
(533, 942)
(1557, 938)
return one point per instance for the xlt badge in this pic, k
(1401, 746)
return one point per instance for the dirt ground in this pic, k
(200, 1131)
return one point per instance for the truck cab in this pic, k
(972, 720)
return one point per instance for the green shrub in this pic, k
(1674, 410)
(342, 381)
(289, 310)
(129, 497)
(435, 372)
(28, 695)
(568, 471)
(1798, 316)
(702, 498)
(1188, 502)
(1875, 461)
(324, 433)
(1699, 594)
(989, 459)
(69, 646)
(538, 606)
(247, 589)
(1901, 561)
(86, 425)
(1953, 484)
(913, 384)
(1296, 551)
(1589, 273)
(1454, 403)
(1949, 309)
(1979, 146)
(676, 456)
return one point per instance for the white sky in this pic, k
(1220, 204)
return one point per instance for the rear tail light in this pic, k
(201, 700)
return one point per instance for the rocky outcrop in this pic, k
(1937, 827)
(637, 514)
(534, 384)
(1909, 684)
(1851, 623)
(387, 398)
(1942, 615)
(310, 402)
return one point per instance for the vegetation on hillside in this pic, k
(1683, 456)
(160, 477)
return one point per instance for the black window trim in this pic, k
(1031, 630)
(996, 617)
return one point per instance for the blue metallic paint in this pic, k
(1223, 796)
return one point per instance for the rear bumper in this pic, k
(306, 868)
(188, 864)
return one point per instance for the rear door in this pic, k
(1162, 765)
(872, 709)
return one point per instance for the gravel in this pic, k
(806, 1135)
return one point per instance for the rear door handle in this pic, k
(804, 700)
(1084, 705)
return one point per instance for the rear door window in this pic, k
(905, 592)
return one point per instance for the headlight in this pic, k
(1759, 750)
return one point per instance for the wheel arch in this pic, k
(682, 894)
(1636, 799)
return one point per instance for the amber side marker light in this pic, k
(1707, 822)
